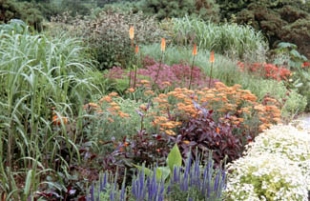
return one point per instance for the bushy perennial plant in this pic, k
(287, 141)
(193, 181)
(265, 177)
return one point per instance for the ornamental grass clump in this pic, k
(267, 176)
(285, 140)
(43, 89)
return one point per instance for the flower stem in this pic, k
(191, 77)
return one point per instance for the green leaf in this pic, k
(287, 45)
(295, 54)
(147, 171)
(174, 157)
(28, 183)
(162, 173)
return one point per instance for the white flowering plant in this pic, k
(265, 177)
(288, 141)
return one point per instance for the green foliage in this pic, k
(195, 180)
(268, 19)
(231, 39)
(43, 89)
(286, 54)
(229, 73)
(174, 160)
(204, 9)
(108, 37)
(110, 125)
(26, 11)
(302, 79)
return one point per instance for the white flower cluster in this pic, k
(276, 167)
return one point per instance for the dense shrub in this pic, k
(275, 166)
(204, 9)
(265, 177)
(25, 11)
(240, 104)
(268, 19)
(107, 36)
(287, 141)
(202, 133)
(267, 70)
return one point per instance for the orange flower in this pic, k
(58, 120)
(144, 82)
(194, 52)
(93, 105)
(113, 94)
(131, 32)
(105, 99)
(131, 90)
(137, 49)
(163, 44)
(143, 107)
(211, 57)
(123, 115)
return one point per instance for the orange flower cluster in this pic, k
(109, 105)
(267, 70)
(241, 105)
(165, 125)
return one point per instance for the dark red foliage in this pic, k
(267, 70)
(144, 148)
(141, 148)
(202, 133)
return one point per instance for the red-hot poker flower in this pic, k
(163, 44)
(131, 32)
(194, 52)
(211, 57)
(137, 49)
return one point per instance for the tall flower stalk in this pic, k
(211, 60)
(194, 53)
(131, 37)
(163, 49)
(135, 67)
